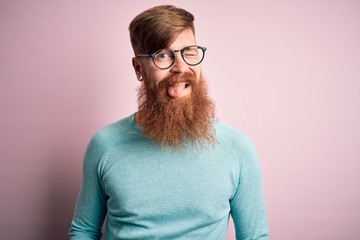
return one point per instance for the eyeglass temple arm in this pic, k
(144, 55)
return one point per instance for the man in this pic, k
(169, 171)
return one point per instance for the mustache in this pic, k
(176, 78)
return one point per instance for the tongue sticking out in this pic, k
(178, 90)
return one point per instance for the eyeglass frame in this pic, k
(152, 55)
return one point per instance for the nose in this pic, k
(179, 65)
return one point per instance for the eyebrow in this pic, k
(194, 46)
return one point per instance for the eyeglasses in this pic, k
(165, 58)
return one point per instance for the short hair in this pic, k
(157, 28)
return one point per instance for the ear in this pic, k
(136, 66)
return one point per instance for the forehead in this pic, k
(184, 39)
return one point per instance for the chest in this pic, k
(149, 183)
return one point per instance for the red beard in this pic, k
(172, 121)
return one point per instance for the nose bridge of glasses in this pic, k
(179, 63)
(181, 52)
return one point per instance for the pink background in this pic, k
(286, 73)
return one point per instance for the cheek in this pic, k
(154, 78)
(197, 72)
(157, 77)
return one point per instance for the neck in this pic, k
(138, 119)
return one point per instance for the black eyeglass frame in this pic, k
(152, 55)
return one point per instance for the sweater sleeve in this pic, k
(90, 208)
(247, 204)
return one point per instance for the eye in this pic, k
(191, 53)
(163, 55)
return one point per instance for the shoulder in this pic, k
(236, 143)
(231, 136)
(241, 148)
(105, 137)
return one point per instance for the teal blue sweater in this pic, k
(146, 192)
